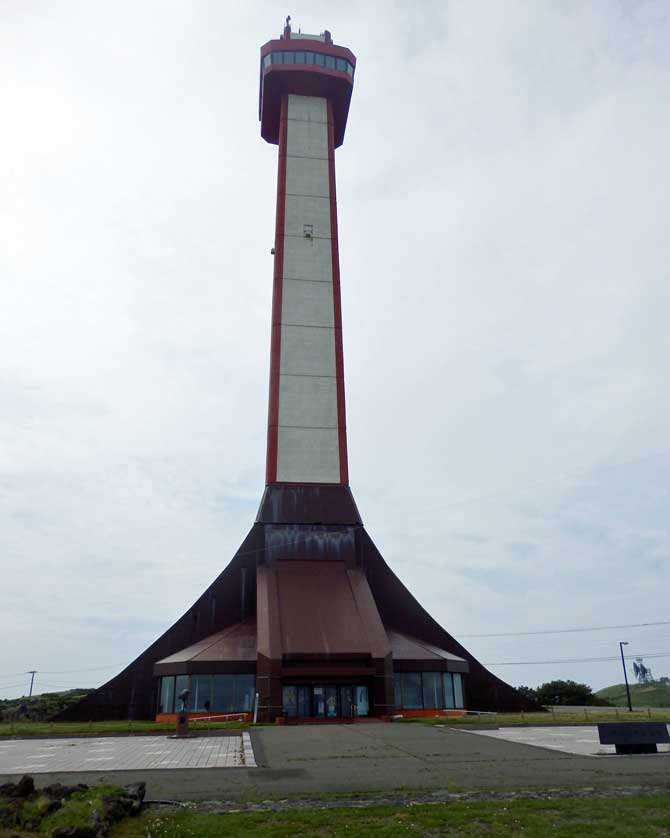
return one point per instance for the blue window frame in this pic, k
(166, 695)
(306, 57)
(458, 690)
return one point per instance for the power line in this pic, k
(565, 631)
(580, 660)
(90, 669)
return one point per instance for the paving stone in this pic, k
(125, 752)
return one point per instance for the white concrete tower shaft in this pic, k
(306, 427)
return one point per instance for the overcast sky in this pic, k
(503, 193)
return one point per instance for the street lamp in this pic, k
(623, 643)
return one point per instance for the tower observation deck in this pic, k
(307, 619)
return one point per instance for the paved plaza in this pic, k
(124, 753)
(570, 740)
(319, 760)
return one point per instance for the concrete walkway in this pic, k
(570, 740)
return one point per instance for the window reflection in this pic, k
(428, 690)
(201, 699)
(412, 698)
(166, 700)
(303, 57)
(432, 690)
(448, 691)
(208, 693)
(458, 690)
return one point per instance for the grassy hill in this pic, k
(39, 708)
(642, 695)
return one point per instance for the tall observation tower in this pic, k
(306, 84)
(307, 620)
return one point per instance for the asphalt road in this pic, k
(317, 760)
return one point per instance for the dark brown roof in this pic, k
(410, 650)
(235, 644)
(319, 614)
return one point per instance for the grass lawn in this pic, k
(642, 695)
(585, 715)
(64, 728)
(637, 817)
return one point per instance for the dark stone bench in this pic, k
(634, 737)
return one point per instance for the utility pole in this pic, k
(623, 643)
(32, 673)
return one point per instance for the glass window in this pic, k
(448, 690)
(304, 701)
(290, 700)
(245, 693)
(458, 690)
(309, 58)
(331, 701)
(341, 64)
(267, 61)
(411, 691)
(432, 690)
(397, 681)
(320, 59)
(201, 688)
(223, 700)
(300, 58)
(362, 701)
(289, 57)
(181, 684)
(350, 69)
(319, 702)
(330, 62)
(166, 700)
(347, 701)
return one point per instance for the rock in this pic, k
(116, 808)
(75, 832)
(25, 787)
(136, 791)
(57, 791)
(32, 824)
(47, 805)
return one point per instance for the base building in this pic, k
(307, 620)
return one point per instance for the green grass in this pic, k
(642, 695)
(583, 715)
(50, 728)
(76, 811)
(636, 817)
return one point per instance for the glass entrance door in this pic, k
(328, 701)
(304, 701)
(319, 701)
(346, 701)
(332, 704)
